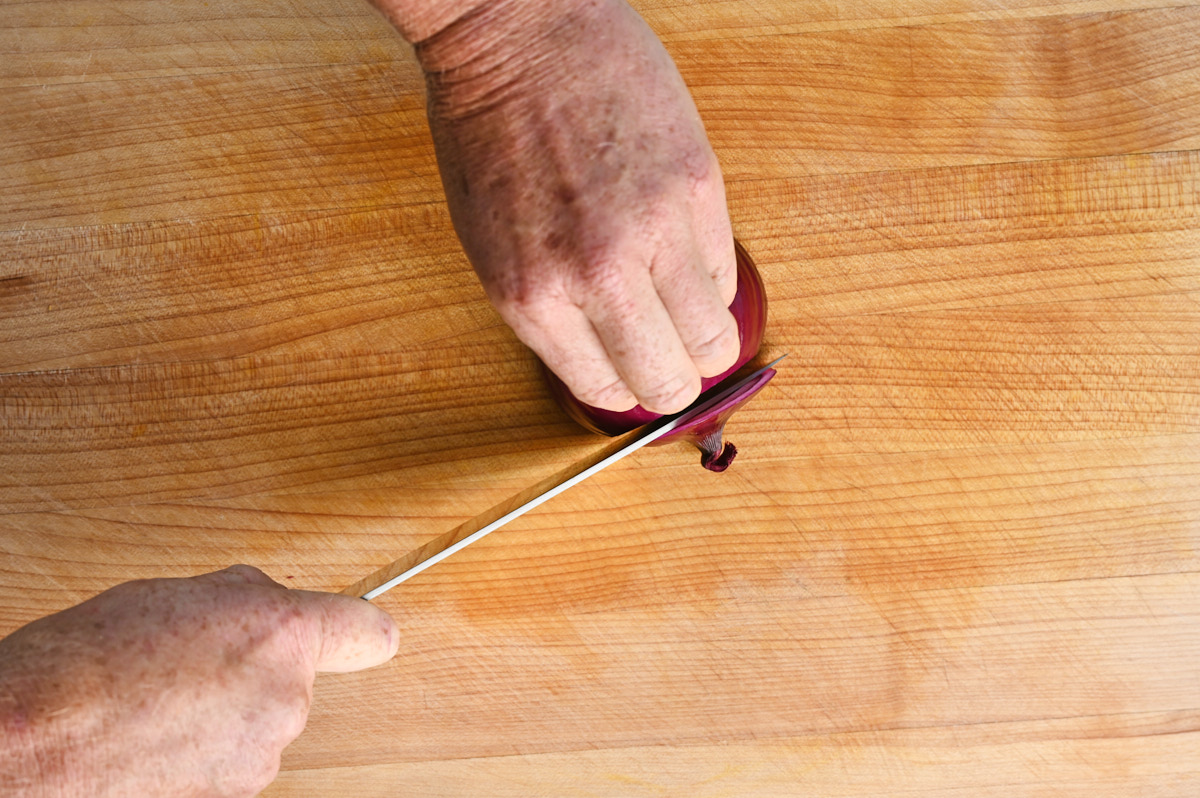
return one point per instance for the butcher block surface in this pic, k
(957, 555)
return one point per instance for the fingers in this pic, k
(567, 343)
(652, 340)
(699, 313)
(347, 634)
(721, 268)
(714, 238)
(635, 333)
(641, 340)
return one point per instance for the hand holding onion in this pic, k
(704, 430)
(586, 195)
(588, 200)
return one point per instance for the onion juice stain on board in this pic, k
(706, 625)
(938, 542)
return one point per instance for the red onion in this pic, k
(749, 308)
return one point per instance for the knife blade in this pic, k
(655, 431)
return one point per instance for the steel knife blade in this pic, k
(653, 432)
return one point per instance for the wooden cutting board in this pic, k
(958, 555)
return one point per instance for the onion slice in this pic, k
(705, 430)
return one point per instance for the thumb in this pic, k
(347, 634)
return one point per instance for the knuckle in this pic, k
(727, 287)
(529, 301)
(283, 713)
(290, 639)
(726, 273)
(247, 573)
(699, 163)
(524, 281)
(610, 394)
(613, 299)
(511, 289)
(265, 772)
(721, 346)
(528, 307)
(671, 394)
(602, 275)
(294, 718)
(247, 772)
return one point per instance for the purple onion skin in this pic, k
(706, 430)
(749, 308)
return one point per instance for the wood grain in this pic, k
(87, 41)
(846, 101)
(951, 94)
(247, 285)
(224, 144)
(1151, 757)
(678, 20)
(957, 555)
(804, 596)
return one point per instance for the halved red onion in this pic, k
(749, 308)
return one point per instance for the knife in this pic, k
(654, 431)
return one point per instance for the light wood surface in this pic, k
(959, 554)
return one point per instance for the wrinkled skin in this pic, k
(173, 687)
(586, 196)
